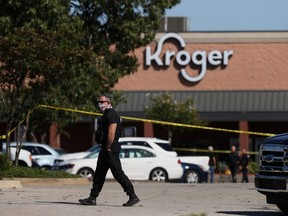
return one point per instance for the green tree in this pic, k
(112, 30)
(64, 53)
(39, 46)
(165, 108)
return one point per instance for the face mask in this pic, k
(102, 107)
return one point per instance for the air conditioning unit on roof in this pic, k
(174, 24)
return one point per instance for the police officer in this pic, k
(233, 161)
(245, 159)
(211, 163)
(107, 134)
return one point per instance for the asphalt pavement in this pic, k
(53, 197)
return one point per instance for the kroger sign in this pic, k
(184, 58)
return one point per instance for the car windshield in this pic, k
(165, 146)
(93, 154)
(60, 151)
(93, 148)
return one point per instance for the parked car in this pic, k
(160, 145)
(153, 143)
(44, 155)
(165, 147)
(24, 159)
(76, 155)
(272, 177)
(194, 173)
(60, 151)
(138, 162)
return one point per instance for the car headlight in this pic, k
(58, 161)
(63, 167)
(67, 166)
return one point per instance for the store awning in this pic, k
(218, 105)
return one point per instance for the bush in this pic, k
(27, 172)
(5, 165)
(253, 167)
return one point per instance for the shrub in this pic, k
(5, 165)
(253, 167)
(27, 172)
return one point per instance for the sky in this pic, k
(233, 15)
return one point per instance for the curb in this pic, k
(10, 184)
(20, 182)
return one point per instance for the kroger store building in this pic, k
(238, 80)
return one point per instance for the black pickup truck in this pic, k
(272, 179)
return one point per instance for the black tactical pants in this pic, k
(106, 160)
(233, 170)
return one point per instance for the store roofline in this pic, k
(232, 37)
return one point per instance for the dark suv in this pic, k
(272, 179)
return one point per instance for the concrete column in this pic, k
(148, 129)
(54, 136)
(243, 137)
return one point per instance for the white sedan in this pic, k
(138, 163)
(43, 154)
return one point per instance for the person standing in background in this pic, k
(245, 159)
(233, 161)
(212, 163)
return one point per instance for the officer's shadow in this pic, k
(250, 213)
(77, 203)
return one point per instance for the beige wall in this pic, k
(254, 65)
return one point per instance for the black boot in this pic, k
(133, 199)
(88, 201)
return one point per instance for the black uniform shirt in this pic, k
(109, 117)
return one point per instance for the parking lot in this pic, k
(60, 198)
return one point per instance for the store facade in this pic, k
(238, 80)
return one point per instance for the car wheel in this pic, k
(86, 172)
(45, 167)
(283, 208)
(191, 177)
(22, 163)
(158, 174)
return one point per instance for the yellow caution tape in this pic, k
(70, 110)
(204, 150)
(10, 132)
(163, 122)
(198, 127)
(150, 121)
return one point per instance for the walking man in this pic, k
(107, 135)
